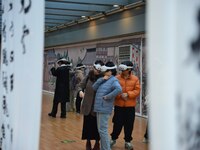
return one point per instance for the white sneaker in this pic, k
(112, 142)
(128, 146)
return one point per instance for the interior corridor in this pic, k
(65, 134)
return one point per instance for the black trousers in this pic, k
(55, 108)
(123, 117)
(78, 103)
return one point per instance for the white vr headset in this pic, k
(123, 67)
(70, 65)
(104, 68)
(83, 66)
(97, 67)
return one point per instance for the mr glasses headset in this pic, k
(123, 67)
(97, 67)
(103, 68)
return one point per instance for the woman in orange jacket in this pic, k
(124, 111)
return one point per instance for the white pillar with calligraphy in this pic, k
(173, 36)
(21, 74)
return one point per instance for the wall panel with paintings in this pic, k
(108, 50)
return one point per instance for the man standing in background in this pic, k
(62, 94)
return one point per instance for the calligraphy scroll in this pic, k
(21, 74)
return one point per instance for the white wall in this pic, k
(21, 74)
(174, 74)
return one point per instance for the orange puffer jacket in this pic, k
(131, 85)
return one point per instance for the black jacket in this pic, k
(62, 83)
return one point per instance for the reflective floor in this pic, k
(65, 134)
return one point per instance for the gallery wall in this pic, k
(105, 50)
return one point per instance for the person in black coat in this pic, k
(61, 94)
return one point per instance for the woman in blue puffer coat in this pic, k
(107, 88)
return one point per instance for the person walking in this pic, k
(124, 110)
(61, 94)
(107, 88)
(89, 130)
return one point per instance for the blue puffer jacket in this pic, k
(106, 91)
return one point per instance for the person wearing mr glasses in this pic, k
(107, 88)
(89, 130)
(124, 110)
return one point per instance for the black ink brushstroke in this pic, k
(4, 104)
(5, 79)
(11, 82)
(5, 60)
(195, 45)
(25, 33)
(188, 123)
(10, 6)
(4, 31)
(3, 131)
(11, 135)
(25, 8)
(11, 29)
(11, 56)
(5, 107)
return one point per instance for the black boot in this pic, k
(63, 116)
(96, 146)
(52, 115)
(88, 145)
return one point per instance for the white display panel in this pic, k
(173, 28)
(21, 73)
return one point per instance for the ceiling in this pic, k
(64, 13)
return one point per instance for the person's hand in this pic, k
(105, 77)
(124, 96)
(81, 94)
(104, 97)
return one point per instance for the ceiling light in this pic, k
(115, 5)
(83, 16)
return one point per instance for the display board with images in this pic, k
(105, 51)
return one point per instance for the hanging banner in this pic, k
(21, 74)
(173, 28)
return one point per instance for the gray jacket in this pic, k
(79, 74)
(88, 100)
